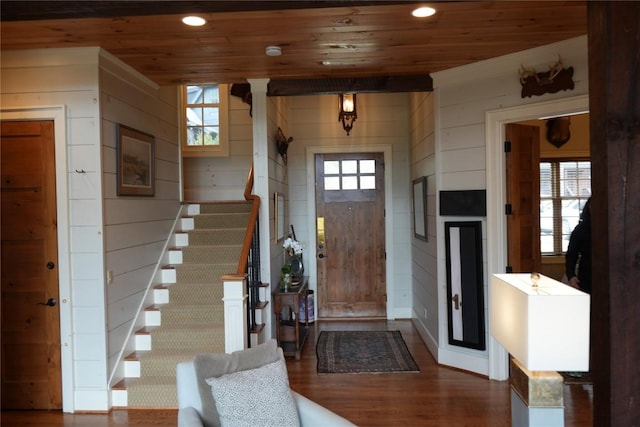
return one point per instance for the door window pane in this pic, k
(367, 166)
(368, 182)
(331, 183)
(349, 166)
(331, 167)
(349, 183)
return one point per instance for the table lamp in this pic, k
(544, 325)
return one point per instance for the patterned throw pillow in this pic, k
(256, 397)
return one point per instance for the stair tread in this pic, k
(188, 353)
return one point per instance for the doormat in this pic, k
(363, 352)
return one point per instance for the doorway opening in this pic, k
(497, 255)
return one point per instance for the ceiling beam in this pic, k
(13, 10)
(293, 87)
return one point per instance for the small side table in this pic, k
(290, 334)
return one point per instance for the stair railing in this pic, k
(249, 261)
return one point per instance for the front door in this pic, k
(350, 235)
(31, 375)
(523, 197)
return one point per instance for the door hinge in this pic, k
(507, 146)
(509, 269)
(508, 209)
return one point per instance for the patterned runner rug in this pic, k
(363, 352)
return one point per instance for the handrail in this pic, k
(253, 220)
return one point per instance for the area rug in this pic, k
(363, 352)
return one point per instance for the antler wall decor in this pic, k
(555, 79)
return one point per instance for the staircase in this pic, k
(187, 316)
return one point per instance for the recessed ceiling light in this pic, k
(194, 21)
(273, 51)
(423, 12)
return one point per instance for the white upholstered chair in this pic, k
(195, 400)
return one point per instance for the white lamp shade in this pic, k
(545, 327)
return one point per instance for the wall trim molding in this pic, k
(58, 113)
(387, 150)
(495, 121)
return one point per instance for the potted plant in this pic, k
(285, 276)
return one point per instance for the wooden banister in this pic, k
(253, 220)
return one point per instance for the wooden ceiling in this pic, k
(318, 39)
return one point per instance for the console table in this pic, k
(290, 334)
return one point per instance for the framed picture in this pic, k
(465, 287)
(136, 162)
(278, 215)
(420, 208)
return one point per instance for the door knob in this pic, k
(50, 302)
(51, 265)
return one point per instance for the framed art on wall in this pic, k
(278, 216)
(136, 162)
(420, 208)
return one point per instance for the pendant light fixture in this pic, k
(348, 113)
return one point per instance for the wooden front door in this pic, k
(523, 198)
(350, 235)
(31, 375)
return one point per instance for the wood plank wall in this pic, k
(135, 228)
(465, 94)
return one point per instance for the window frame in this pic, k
(220, 150)
(557, 200)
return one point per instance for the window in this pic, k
(565, 187)
(350, 175)
(205, 120)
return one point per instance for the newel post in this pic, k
(235, 313)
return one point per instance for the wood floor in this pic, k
(437, 396)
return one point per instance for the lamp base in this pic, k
(536, 397)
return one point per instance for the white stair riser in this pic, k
(193, 210)
(152, 318)
(143, 342)
(119, 398)
(132, 368)
(168, 275)
(175, 256)
(181, 239)
(161, 296)
(261, 315)
(257, 338)
(187, 224)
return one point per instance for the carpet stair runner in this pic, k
(193, 319)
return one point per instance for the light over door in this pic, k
(350, 235)
(31, 375)
(523, 198)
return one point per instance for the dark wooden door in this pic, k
(31, 375)
(350, 235)
(523, 196)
